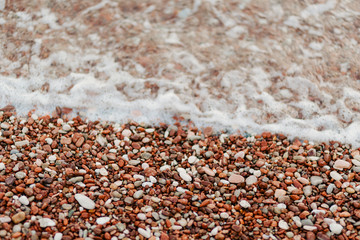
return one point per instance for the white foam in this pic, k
(247, 85)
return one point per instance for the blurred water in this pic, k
(286, 67)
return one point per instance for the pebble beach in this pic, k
(73, 179)
(174, 119)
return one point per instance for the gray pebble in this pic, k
(316, 180)
(307, 222)
(330, 188)
(307, 190)
(20, 175)
(138, 194)
(129, 200)
(134, 162)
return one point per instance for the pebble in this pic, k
(214, 231)
(5, 219)
(141, 216)
(236, 178)
(289, 234)
(22, 143)
(138, 194)
(335, 228)
(46, 222)
(307, 190)
(316, 180)
(279, 192)
(330, 188)
(335, 175)
(146, 155)
(208, 171)
(192, 159)
(356, 162)
(245, 204)
(18, 217)
(66, 206)
(224, 215)
(101, 140)
(145, 233)
(182, 222)
(20, 175)
(76, 179)
(24, 200)
(134, 162)
(126, 133)
(2, 166)
(186, 177)
(58, 236)
(103, 172)
(85, 201)
(341, 164)
(251, 180)
(102, 220)
(283, 225)
(5, 125)
(16, 228)
(240, 154)
(129, 200)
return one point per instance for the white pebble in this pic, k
(279, 193)
(24, 200)
(145, 166)
(164, 168)
(142, 216)
(152, 179)
(58, 236)
(103, 172)
(192, 159)
(340, 164)
(336, 228)
(138, 194)
(145, 233)
(251, 180)
(224, 215)
(84, 201)
(2, 166)
(183, 174)
(239, 155)
(25, 130)
(214, 231)
(126, 133)
(182, 222)
(102, 220)
(283, 225)
(5, 125)
(257, 173)
(138, 176)
(46, 222)
(147, 184)
(356, 162)
(48, 141)
(335, 175)
(245, 204)
(66, 127)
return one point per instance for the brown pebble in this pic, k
(18, 217)
(310, 236)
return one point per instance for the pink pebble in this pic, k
(235, 178)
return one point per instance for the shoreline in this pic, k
(71, 179)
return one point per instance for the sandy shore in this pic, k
(70, 179)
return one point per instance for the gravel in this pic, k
(227, 189)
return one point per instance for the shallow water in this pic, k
(291, 67)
